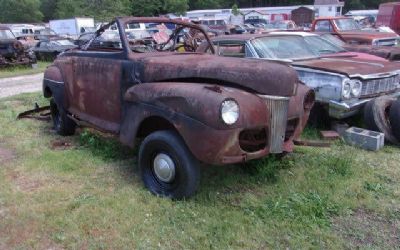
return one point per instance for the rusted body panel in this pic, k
(389, 53)
(260, 77)
(349, 66)
(192, 108)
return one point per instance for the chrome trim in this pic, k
(46, 79)
(273, 97)
(278, 111)
(341, 110)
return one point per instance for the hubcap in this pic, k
(164, 168)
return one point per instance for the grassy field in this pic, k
(84, 192)
(23, 70)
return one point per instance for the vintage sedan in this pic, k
(343, 82)
(185, 107)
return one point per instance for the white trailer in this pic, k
(72, 27)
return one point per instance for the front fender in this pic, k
(201, 102)
(53, 84)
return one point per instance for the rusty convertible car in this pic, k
(188, 107)
(12, 51)
(344, 82)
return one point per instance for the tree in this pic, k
(20, 11)
(235, 10)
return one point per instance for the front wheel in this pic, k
(63, 125)
(167, 166)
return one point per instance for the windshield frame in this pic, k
(338, 27)
(122, 22)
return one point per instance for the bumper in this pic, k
(341, 110)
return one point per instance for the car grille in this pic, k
(278, 107)
(386, 42)
(376, 86)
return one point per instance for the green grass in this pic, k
(89, 195)
(23, 70)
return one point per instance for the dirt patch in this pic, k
(24, 183)
(6, 155)
(61, 145)
(365, 229)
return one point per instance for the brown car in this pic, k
(12, 51)
(187, 107)
(347, 29)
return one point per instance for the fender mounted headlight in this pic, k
(229, 111)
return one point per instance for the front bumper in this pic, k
(341, 110)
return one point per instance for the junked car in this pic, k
(343, 82)
(187, 107)
(348, 30)
(50, 49)
(12, 51)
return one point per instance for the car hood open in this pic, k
(263, 77)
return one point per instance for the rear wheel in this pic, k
(63, 125)
(394, 117)
(167, 166)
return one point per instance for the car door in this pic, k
(95, 94)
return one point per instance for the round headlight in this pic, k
(229, 111)
(356, 88)
(346, 92)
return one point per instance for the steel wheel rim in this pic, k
(164, 168)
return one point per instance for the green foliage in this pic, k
(308, 208)
(12, 11)
(106, 148)
(235, 10)
(103, 10)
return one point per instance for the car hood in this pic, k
(391, 53)
(368, 33)
(263, 77)
(349, 66)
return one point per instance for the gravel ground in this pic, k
(20, 84)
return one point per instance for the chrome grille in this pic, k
(386, 42)
(278, 109)
(376, 86)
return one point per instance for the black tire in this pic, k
(63, 125)
(394, 118)
(376, 117)
(319, 117)
(186, 178)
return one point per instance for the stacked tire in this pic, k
(382, 114)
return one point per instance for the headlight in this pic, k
(356, 88)
(229, 111)
(346, 90)
(351, 88)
